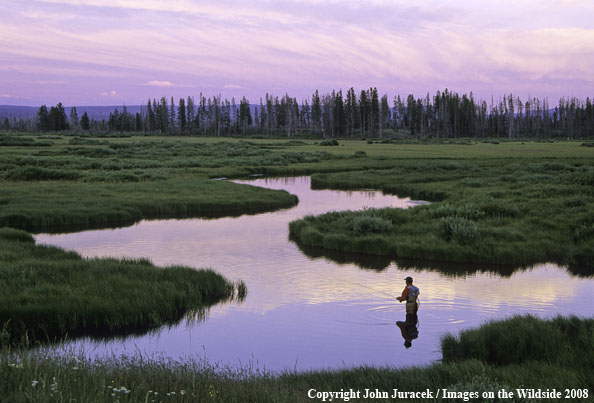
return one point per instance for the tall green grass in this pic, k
(563, 341)
(61, 206)
(495, 211)
(47, 293)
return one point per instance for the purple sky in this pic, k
(109, 52)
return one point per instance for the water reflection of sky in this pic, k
(303, 312)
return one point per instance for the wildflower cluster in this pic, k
(116, 392)
(15, 365)
(54, 386)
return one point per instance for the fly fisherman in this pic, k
(411, 296)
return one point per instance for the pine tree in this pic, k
(351, 111)
(74, 123)
(364, 112)
(43, 119)
(201, 115)
(191, 115)
(269, 115)
(181, 116)
(245, 116)
(151, 122)
(114, 122)
(316, 112)
(125, 120)
(57, 118)
(164, 116)
(84, 122)
(385, 115)
(234, 117)
(374, 117)
(172, 120)
(305, 115)
(339, 115)
(327, 115)
(510, 116)
(263, 117)
(138, 122)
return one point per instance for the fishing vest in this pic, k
(413, 294)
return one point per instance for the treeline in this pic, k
(366, 115)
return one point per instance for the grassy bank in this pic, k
(498, 211)
(68, 206)
(47, 293)
(514, 353)
(82, 183)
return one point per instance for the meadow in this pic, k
(491, 202)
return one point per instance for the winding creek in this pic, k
(307, 310)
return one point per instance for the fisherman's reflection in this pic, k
(409, 328)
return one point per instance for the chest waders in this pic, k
(412, 301)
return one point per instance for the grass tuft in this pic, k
(459, 229)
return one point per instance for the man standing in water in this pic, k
(409, 328)
(410, 295)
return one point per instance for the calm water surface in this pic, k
(310, 311)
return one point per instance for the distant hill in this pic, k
(9, 111)
(94, 112)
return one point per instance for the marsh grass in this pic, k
(495, 211)
(367, 223)
(47, 293)
(459, 229)
(329, 142)
(60, 206)
(562, 341)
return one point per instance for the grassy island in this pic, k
(491, 210)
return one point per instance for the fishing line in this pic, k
(373, 289)
(378, 291)
(363, 323)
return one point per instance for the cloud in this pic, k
(111, 93)
(12, 96)
(297, 46)
(155, 83)
(51, 82)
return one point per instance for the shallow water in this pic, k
(310, 309)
